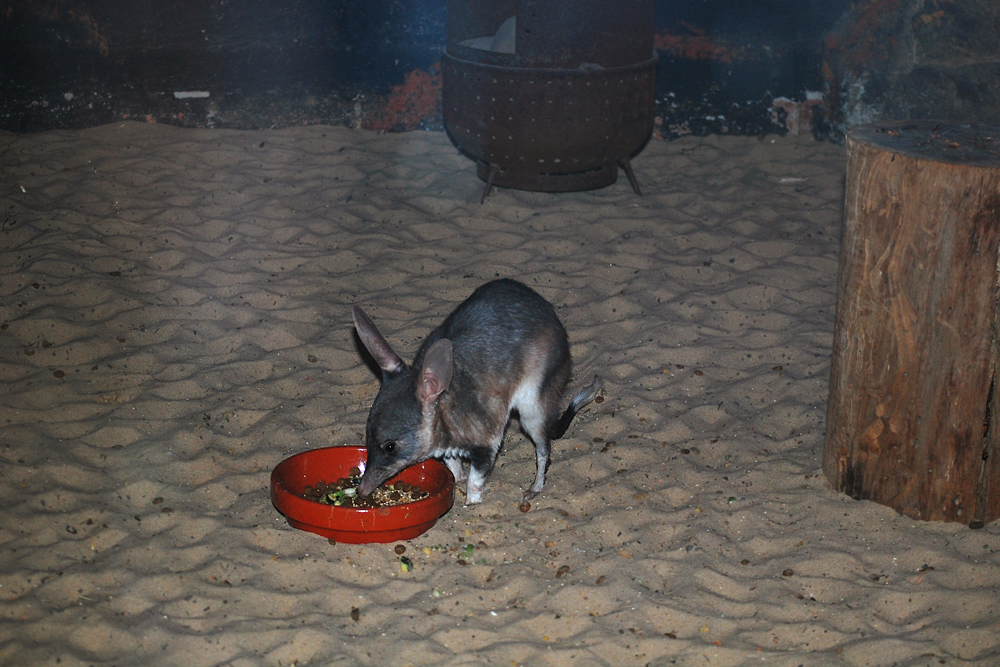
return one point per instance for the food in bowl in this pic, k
(344, 492)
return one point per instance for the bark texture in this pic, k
(913, 419)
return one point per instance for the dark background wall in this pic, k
(736, 66)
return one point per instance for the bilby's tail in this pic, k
(580, 401)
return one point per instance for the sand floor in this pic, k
(175, 320)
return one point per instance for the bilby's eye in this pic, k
(389, 447)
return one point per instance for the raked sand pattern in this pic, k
(175, 320)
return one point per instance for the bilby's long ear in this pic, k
(376, 345)
(435, 374)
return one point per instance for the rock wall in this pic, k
(899, 59)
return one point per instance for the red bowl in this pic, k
(358, 525)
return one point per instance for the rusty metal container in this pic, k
(549, 95)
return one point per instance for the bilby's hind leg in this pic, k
(543, 452)
(535, 423)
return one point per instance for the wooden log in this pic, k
(913, 420)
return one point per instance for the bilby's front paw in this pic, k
(475, 486)
(454, 464)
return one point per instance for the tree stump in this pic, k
(913, 420)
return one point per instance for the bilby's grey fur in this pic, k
(501, 351)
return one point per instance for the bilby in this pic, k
(501, 351)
